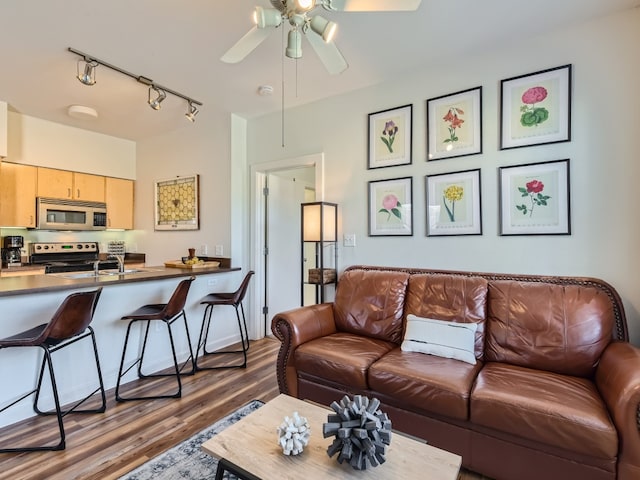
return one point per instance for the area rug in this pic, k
(187, 460)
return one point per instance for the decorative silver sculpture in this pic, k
(294, 434)
(362, 432)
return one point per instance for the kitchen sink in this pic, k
(101, 273)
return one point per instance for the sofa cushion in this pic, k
(371, 303)
(558, 410)
(454, 298)
(437, 337)
(424, 382)
(558, 328)
(343, 358)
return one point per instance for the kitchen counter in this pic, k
(29, 284)
(31, 300)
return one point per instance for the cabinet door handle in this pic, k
(78, 194)
(69, 192)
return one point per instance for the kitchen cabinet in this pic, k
(54, 183)
(17, 195)
(119, 198)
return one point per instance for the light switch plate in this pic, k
(219, 251)
(349, 239)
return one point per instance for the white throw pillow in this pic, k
(441, 338)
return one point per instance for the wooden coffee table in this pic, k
(252, 444)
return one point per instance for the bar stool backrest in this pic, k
(239, 294)
(73, 316)
(176, 303)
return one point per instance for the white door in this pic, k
(283, 264)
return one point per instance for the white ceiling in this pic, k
(178, 43)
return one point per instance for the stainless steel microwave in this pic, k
(60, 214)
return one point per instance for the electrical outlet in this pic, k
(349, 239)
(219, 251)
(212, 282)
(204, 249)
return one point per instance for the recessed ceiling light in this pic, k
(82, 112)
(265, 90)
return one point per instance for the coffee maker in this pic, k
(12, 251)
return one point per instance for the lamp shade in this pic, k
(319, 222)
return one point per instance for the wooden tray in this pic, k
(179, 264)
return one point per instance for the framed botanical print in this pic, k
(390, 209)
(390, 140)
(535, 109)
(454, 124)
(454, 203)
(535, 199)
(177, 203)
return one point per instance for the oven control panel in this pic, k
(61, 247)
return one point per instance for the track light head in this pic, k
(88, 74)
(191, 112)
(160, 96)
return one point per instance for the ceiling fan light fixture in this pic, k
(160, 95)
(267, 17)
(302, 6)
(88, 74)
(294, 44)
(323, 27)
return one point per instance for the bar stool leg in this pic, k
(204, 335)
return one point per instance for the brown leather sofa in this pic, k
(554, 392)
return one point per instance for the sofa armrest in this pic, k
(293, 328)
(618, 380)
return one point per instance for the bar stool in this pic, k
(227, 298)
(69, 324)
(167, 313)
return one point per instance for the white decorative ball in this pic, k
(293, 434)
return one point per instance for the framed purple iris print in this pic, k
(535, 109)
(390, 209)
(390, 140)
(454, 124)
(535, 199)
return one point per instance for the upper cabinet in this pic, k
(54, 183)
(119, 197)
(17, 195)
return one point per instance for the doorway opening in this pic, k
(280, 187)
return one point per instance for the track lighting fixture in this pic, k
(157, 93)
(191, 112)
(88, 75)
(160, 95)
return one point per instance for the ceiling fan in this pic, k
(318, 30)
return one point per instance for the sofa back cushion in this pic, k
(558, 328)
(371, 303)
(454, 298)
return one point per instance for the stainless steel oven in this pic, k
(59, 214)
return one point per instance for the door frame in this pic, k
(259, 173)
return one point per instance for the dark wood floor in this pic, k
(106, 446)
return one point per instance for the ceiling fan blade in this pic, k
(246, 45)
(329, 54)
(371, 5)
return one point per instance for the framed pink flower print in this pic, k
(390, 207)
(535, 109)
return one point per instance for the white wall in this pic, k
(604, 154)
(200, 148)
(34, 141)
